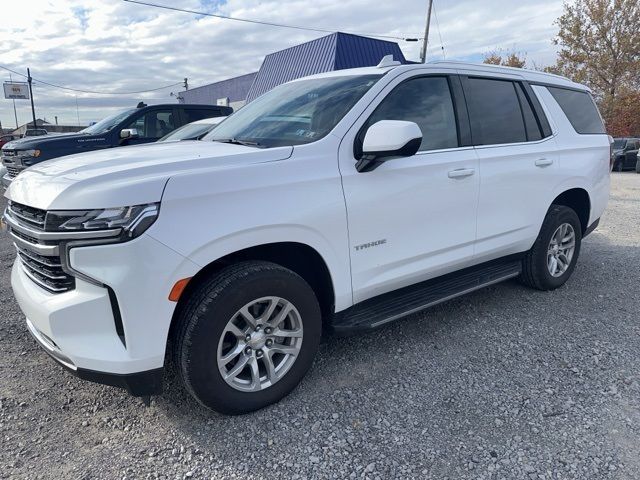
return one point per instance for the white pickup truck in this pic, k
(336, 202)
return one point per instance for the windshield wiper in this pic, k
(237, 141)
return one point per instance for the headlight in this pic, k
(133, 221)
(29, 153)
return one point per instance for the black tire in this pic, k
(619, 167)
(535, 272)
(202, 322)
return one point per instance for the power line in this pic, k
(90, 91)
(435, 14)
(271, 24)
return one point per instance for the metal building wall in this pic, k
(235, 89)
(333, 52)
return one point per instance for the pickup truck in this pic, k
(338, 202)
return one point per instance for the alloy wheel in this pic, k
(260, 344)
(561, 249)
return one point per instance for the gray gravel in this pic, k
(504, 383)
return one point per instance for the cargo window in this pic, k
(494, 111)
(579, 109)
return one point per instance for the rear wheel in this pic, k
(619, 166)
(247, 337)
(553, 257)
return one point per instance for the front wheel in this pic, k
(553, 257)
(247, 336)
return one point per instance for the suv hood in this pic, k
(127, 175)
(48, 141)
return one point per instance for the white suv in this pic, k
(336, 202)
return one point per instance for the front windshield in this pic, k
(294, 113)
(108, 123)
(619, 143)
(192, 131)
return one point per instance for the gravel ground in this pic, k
(504, 383)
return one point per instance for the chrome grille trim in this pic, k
(12, 172)
(60, 236)
(33, 216)
(45, 271)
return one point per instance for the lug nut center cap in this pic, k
(258, 339)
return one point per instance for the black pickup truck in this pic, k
(142, 124)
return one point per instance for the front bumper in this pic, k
(137, 384)
(113, 330)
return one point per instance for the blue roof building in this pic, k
(336, 51)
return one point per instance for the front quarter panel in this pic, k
(211, 214)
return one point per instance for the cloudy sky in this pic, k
(114, 46)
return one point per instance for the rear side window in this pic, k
(193, 114)
(494, 111)
(579, 109)
(531, 124)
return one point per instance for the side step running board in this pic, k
(391, 306)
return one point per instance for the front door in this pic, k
(412, 218)
(153, 125)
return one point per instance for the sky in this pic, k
(115, 46)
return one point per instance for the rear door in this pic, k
(517, 163)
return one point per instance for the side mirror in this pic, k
(128, 133)
(386, 139)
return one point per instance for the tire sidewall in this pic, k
(199, 352)
(560, 216)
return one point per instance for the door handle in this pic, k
(461, 172)
(543, 162)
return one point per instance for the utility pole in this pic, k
(425, 40)
(186, 84)
(33, 110)
(15, 114)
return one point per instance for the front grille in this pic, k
(12, 172)
(39, 257)
(9, 153)
(34, 217)
(46, 271)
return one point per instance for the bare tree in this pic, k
(506, 59)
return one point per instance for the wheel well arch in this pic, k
(297, 257)
(578, 200)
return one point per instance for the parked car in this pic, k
(193, 131)
(338, 202)
(638, 163)
(8, 138)
(133, 126)
(625, 153)
(35, 132)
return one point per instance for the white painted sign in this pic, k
(16, 90)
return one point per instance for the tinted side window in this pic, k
(579, 109)
(154, 124)
(530, 122)
(427, 102)
(193, 114)
(494, 112)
